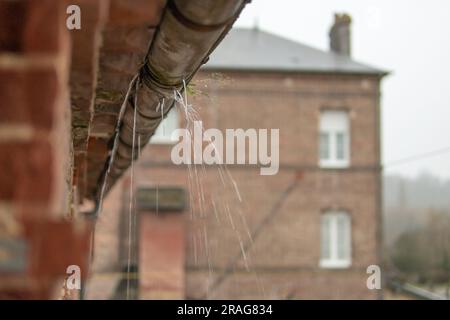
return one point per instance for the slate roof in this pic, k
(256, 50)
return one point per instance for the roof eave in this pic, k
(378, 73)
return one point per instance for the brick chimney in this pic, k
(340, 34)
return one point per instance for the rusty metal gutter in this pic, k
(189, 31)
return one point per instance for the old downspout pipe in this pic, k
(189, 31)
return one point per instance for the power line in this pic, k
(417, 157)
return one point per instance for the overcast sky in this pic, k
(410, 38)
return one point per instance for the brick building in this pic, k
(167, 231)
(309, 231)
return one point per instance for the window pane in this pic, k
(334, 131)
(343, 237)
(324, 146)
(166, 127)
(340, 146)
(325, 234)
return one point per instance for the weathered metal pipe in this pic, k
(189, 31)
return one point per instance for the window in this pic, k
(163, 134)
(334, 142)
(335, 240)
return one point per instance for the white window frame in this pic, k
(332, 123)
(163, 134)
(334, 261)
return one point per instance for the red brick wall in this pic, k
(35, 144)
(285, 254)
(277, 223)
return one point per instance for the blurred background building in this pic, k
(309, 232)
